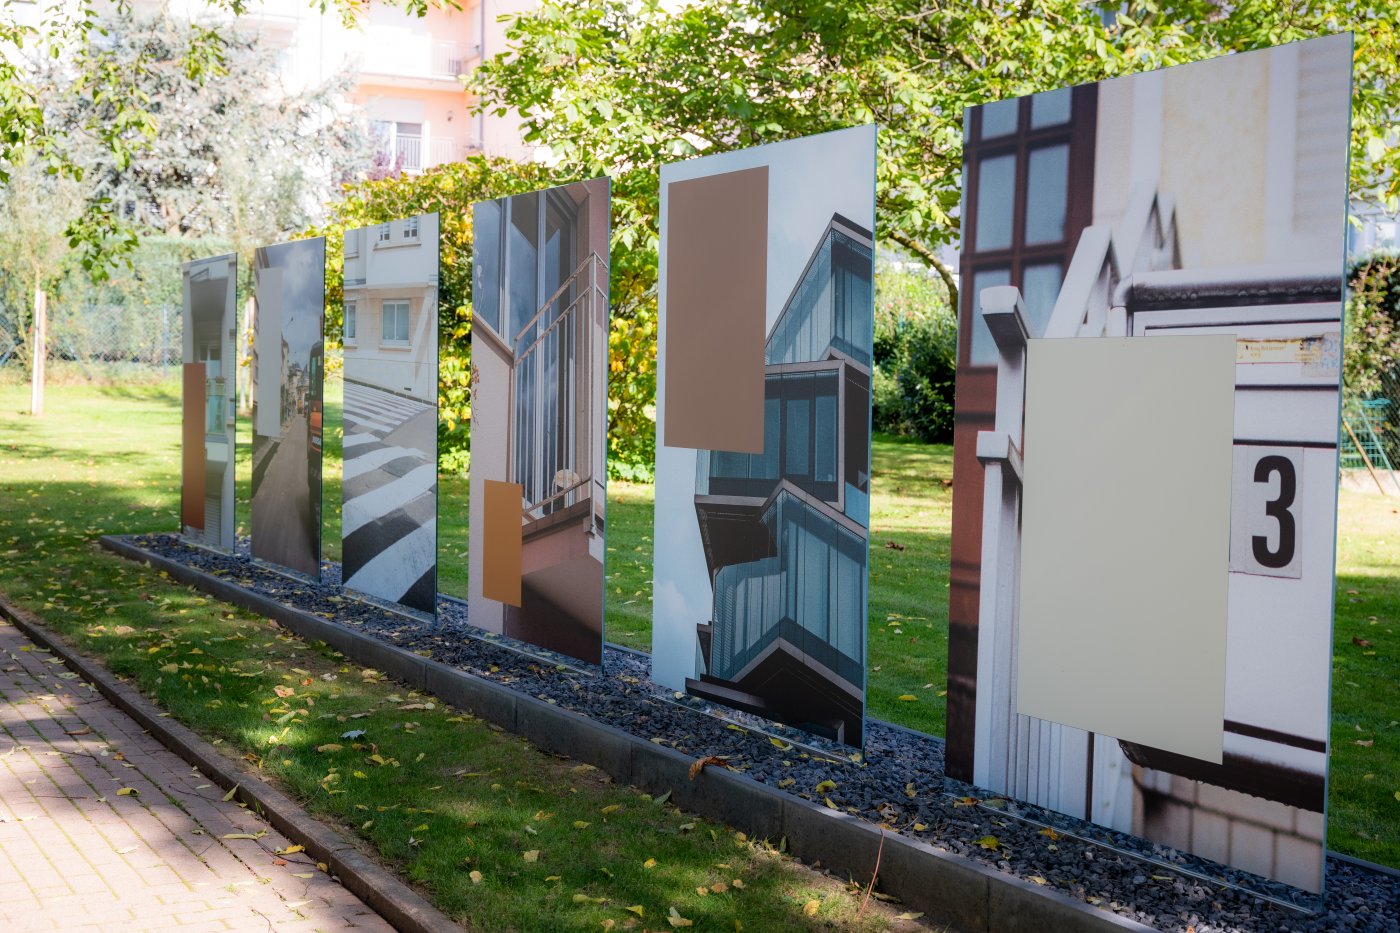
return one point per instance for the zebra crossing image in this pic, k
(389, 493)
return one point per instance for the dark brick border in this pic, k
(946, 887)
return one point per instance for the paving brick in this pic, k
(74, 861)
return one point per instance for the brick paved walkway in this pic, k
(77, 854)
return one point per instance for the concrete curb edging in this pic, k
(402, 907)
(946, 887)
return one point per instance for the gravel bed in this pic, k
(898, 782)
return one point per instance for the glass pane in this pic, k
(996, 193)
(522, 250)
(486, 267)
(999, 119)
(984, 351)
(826, 438)
(1047, 184)
(558, 251)
(1040, 288)
(1050, 108)
(796, 426)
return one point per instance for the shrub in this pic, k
(915, 354)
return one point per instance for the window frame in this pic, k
(395, 304)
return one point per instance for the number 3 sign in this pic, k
(1265, 511)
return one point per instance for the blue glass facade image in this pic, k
(785, 531)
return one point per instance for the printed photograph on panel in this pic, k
(210, 324)
(763, 430)
(1206, 199)
(389, 490)
(288, 372)
(538, 478)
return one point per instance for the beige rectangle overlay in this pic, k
(503, 552)
(716, 294)
(192, 487)
(1125, 543)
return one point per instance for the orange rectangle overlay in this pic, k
(501, 560)
(716, 295)
(192, 448)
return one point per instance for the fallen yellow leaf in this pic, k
(291, 850)
(908, 698)
(811, 907)
(649, 863)
(531, 855)
(825, 786)
(127, 792)
(676, 920)
(581, 824)
(476, 877)
(989, 842)
(637, 909)
(611, 808)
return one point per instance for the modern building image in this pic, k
(1204, 199)
(539, 409)
(785, 531)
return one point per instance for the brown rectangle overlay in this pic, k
(716, 294)
(192, 448)
(501, 560)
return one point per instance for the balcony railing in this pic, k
(556, 450)
(410, 55)
(413, 153)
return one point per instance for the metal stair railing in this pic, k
(554, 446)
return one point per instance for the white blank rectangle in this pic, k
(1125, 540)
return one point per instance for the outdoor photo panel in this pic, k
(1143, 543)
(389, 492)
(288, 370)
(210, 325)
(763, 430)
(538, 481)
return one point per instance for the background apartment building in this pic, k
(406, 70)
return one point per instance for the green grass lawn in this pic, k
(496, 832)
(107, 460)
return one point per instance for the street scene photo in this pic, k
(288, 372)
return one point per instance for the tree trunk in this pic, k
(41, 351)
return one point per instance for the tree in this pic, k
(36, 208)
(622, 86)
(241, 156)
(616, 83)
(64, 31)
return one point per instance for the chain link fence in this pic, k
(99, 341)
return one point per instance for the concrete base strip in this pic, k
(948, 888)
(395, 901)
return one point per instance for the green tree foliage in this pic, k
(916, 345)
(241, 156)
(450, 191)
(1373, 325)
(624, 86)
(120, 124)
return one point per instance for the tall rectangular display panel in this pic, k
(763, 430)
(1144, 536)
(288, 375)
(390, 339)
(210, 317)
(539, 417)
